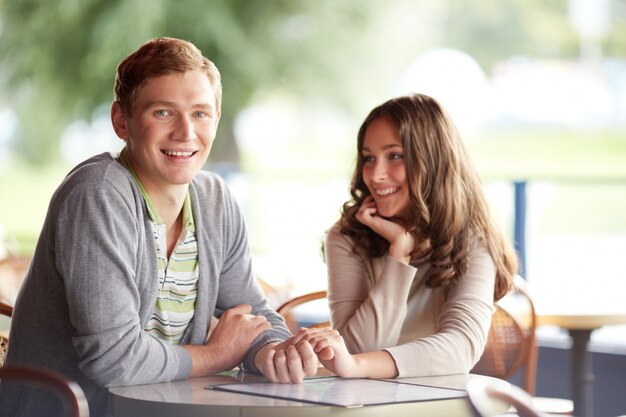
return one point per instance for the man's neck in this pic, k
(170, 207)
(169, 204)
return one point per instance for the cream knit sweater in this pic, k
(381, 303)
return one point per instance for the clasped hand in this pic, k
(286, 362)
(230, 339)
(324, 344)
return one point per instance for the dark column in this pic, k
(519, 231)
(582, 373)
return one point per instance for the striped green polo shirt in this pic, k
(178, 276)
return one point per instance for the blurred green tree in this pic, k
(57, 59)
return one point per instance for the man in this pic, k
(140, 250)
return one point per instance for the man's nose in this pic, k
(184, 129)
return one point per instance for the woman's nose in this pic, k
(380, 171)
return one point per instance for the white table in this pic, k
(191, 398)
(580, 325)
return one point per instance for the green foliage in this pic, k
(58, 58)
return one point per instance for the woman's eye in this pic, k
(368, 158)
(395, 156)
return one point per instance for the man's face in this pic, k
(170, 134)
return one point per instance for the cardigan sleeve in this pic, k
(97, 248)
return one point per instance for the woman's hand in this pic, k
(401, 243)
(331, 351)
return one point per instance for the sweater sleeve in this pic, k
(98, 243)
(462, 328)
(369, 317)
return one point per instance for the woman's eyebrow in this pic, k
(384, 148)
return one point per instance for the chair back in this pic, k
(511, 343)
(6, 309)
(286, 308)
(69, 392)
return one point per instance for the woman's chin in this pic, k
(387, 214)
(393, 216)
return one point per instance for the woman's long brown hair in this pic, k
(448, 205)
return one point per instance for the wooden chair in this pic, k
(5, 310)
(286, 308)
(71, 394)
(512, 346)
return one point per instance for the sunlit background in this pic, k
(538, 89)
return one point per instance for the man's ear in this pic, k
(219, 115)
(118, 120)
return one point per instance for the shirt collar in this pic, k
(188, 222)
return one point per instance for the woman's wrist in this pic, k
(401, 247)
(374, 365)
(399, 255)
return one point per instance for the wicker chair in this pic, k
(286, 308)
(511, 347)
(5, 310)
(70, 393)
(511, 344)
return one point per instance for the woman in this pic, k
(416, 260)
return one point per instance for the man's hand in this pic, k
(228, 343)
(286, 362)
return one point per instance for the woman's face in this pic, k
(384, 171)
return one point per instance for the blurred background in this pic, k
(537, 88)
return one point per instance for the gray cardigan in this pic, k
(92, 286)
